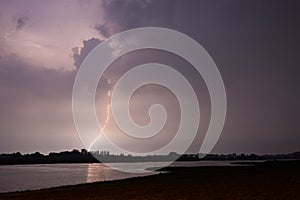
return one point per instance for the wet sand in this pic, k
(234, 182)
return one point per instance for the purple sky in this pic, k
(255, 44)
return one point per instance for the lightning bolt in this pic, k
(107, 112)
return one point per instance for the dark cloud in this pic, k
(255, 44)
(122, 15)
(80, 54)
(21, 22)
(103, 29)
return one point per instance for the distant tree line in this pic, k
(84, 156)
(234, 156)
(37, 158)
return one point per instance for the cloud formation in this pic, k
(79, 54)
(35, 107)
(21, 22)
(121, 15)
(255, 44)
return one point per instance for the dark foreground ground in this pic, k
(270, 181)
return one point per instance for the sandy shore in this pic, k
(237, 182)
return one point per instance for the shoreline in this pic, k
(269, 181)
(18, 181)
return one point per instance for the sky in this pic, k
(255, 45)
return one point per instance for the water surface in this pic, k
(38, 176)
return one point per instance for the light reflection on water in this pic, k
(101, 172)
(30, 177)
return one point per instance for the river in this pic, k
(38, 176)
